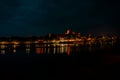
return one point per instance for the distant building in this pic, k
(68, 31)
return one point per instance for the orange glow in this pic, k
(16, 43)
(68, 51)
(27, 42)
(53, 41)
(89, 39)
(67, 32)
(39, 50)
(4, 42)
(38, 41)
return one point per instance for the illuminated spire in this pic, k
(67, 30)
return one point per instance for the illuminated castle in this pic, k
(69, 32)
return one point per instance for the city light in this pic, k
(60, 43)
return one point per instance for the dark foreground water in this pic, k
(70, 61)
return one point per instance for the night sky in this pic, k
(39, 17)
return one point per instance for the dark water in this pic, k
(72, 61)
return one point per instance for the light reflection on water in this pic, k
(43, 49)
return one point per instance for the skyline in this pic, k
(93, 34)
(40, 17)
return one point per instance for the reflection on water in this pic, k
(2, 51)
(14, 50)
(2, 46)
(28, 45)
(39, 50)
(45, 48)
(27, 50)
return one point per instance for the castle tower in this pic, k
(67, 31)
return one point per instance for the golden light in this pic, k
(16, 43)
(2, 46)
(14, 50)
(36, 42)
(54, 45)
(53, 41)
(62, 45)
(4, 42)
(14, 46)
(27, 42)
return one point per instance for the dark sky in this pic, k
(39, 17)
